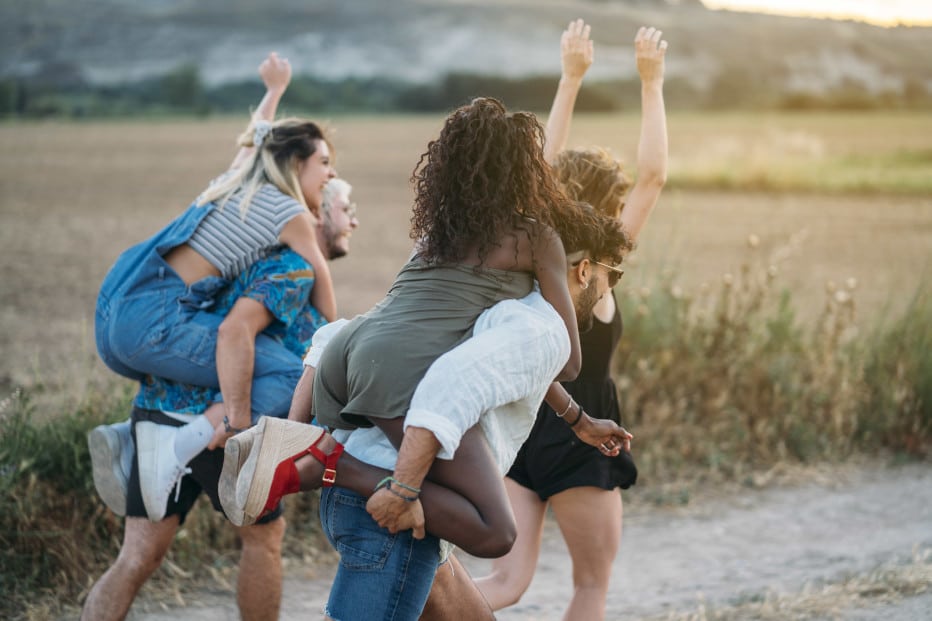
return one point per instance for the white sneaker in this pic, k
(159, 470)
(111, 449)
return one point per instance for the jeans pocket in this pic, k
(138, 323)
(362, 543)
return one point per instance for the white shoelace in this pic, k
(180, 472)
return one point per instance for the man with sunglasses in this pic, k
(496, 379)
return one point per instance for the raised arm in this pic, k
(575, 58)
(649, 50)
(276, 75)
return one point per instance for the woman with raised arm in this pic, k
(553, 468)
(153, 310)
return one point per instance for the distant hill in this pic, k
(718, 56)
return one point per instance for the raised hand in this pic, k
(649, 50)
(575, 50)
(275, 72)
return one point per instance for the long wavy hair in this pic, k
(484, 172)
(277, 161)
(593, 176)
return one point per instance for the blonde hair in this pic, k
(593, 176)
(276, 160)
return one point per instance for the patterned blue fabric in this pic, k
(282, 282)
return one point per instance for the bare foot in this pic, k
(310, 470)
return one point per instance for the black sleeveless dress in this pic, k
(553, 459)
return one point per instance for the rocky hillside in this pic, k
(419, 41)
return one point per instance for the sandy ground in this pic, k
(843, 546)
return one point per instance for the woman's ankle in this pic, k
(310, 469)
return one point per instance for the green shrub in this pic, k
(898, 374)
(56, 534)
(53, 529)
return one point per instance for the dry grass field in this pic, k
(827, 197)
(72, 196)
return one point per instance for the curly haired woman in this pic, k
(484, 222)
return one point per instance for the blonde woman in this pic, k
(553, 467)
(153, 310)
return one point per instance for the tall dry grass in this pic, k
(727, 379)
(717, 383)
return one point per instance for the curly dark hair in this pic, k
(486, 167)
(582, 227)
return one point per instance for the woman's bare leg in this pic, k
(590, 520)
(512, 573)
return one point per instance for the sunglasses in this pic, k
(614, 273)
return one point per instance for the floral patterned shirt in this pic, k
(282, 282)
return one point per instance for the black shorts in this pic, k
(205, 475)
(554, 459)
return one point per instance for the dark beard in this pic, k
(585, 306)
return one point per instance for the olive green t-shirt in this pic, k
(372, 367)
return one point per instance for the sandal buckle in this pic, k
(330, 477)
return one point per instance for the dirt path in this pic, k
(852, 545)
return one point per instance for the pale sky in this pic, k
(883, 12)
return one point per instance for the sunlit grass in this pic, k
(727, 379)
(894, 172)
(875, 153)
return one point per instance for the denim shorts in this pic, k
(381, 576)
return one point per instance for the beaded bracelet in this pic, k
(387, 484)
(400, 495)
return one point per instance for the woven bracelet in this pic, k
(400, 495)
(387, 483)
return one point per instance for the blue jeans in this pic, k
(381, 576)
(149, 322)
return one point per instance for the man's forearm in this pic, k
(418, 450)
(235, 361)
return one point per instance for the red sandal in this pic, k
(269, 472)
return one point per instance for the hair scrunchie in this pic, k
(262, 129)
